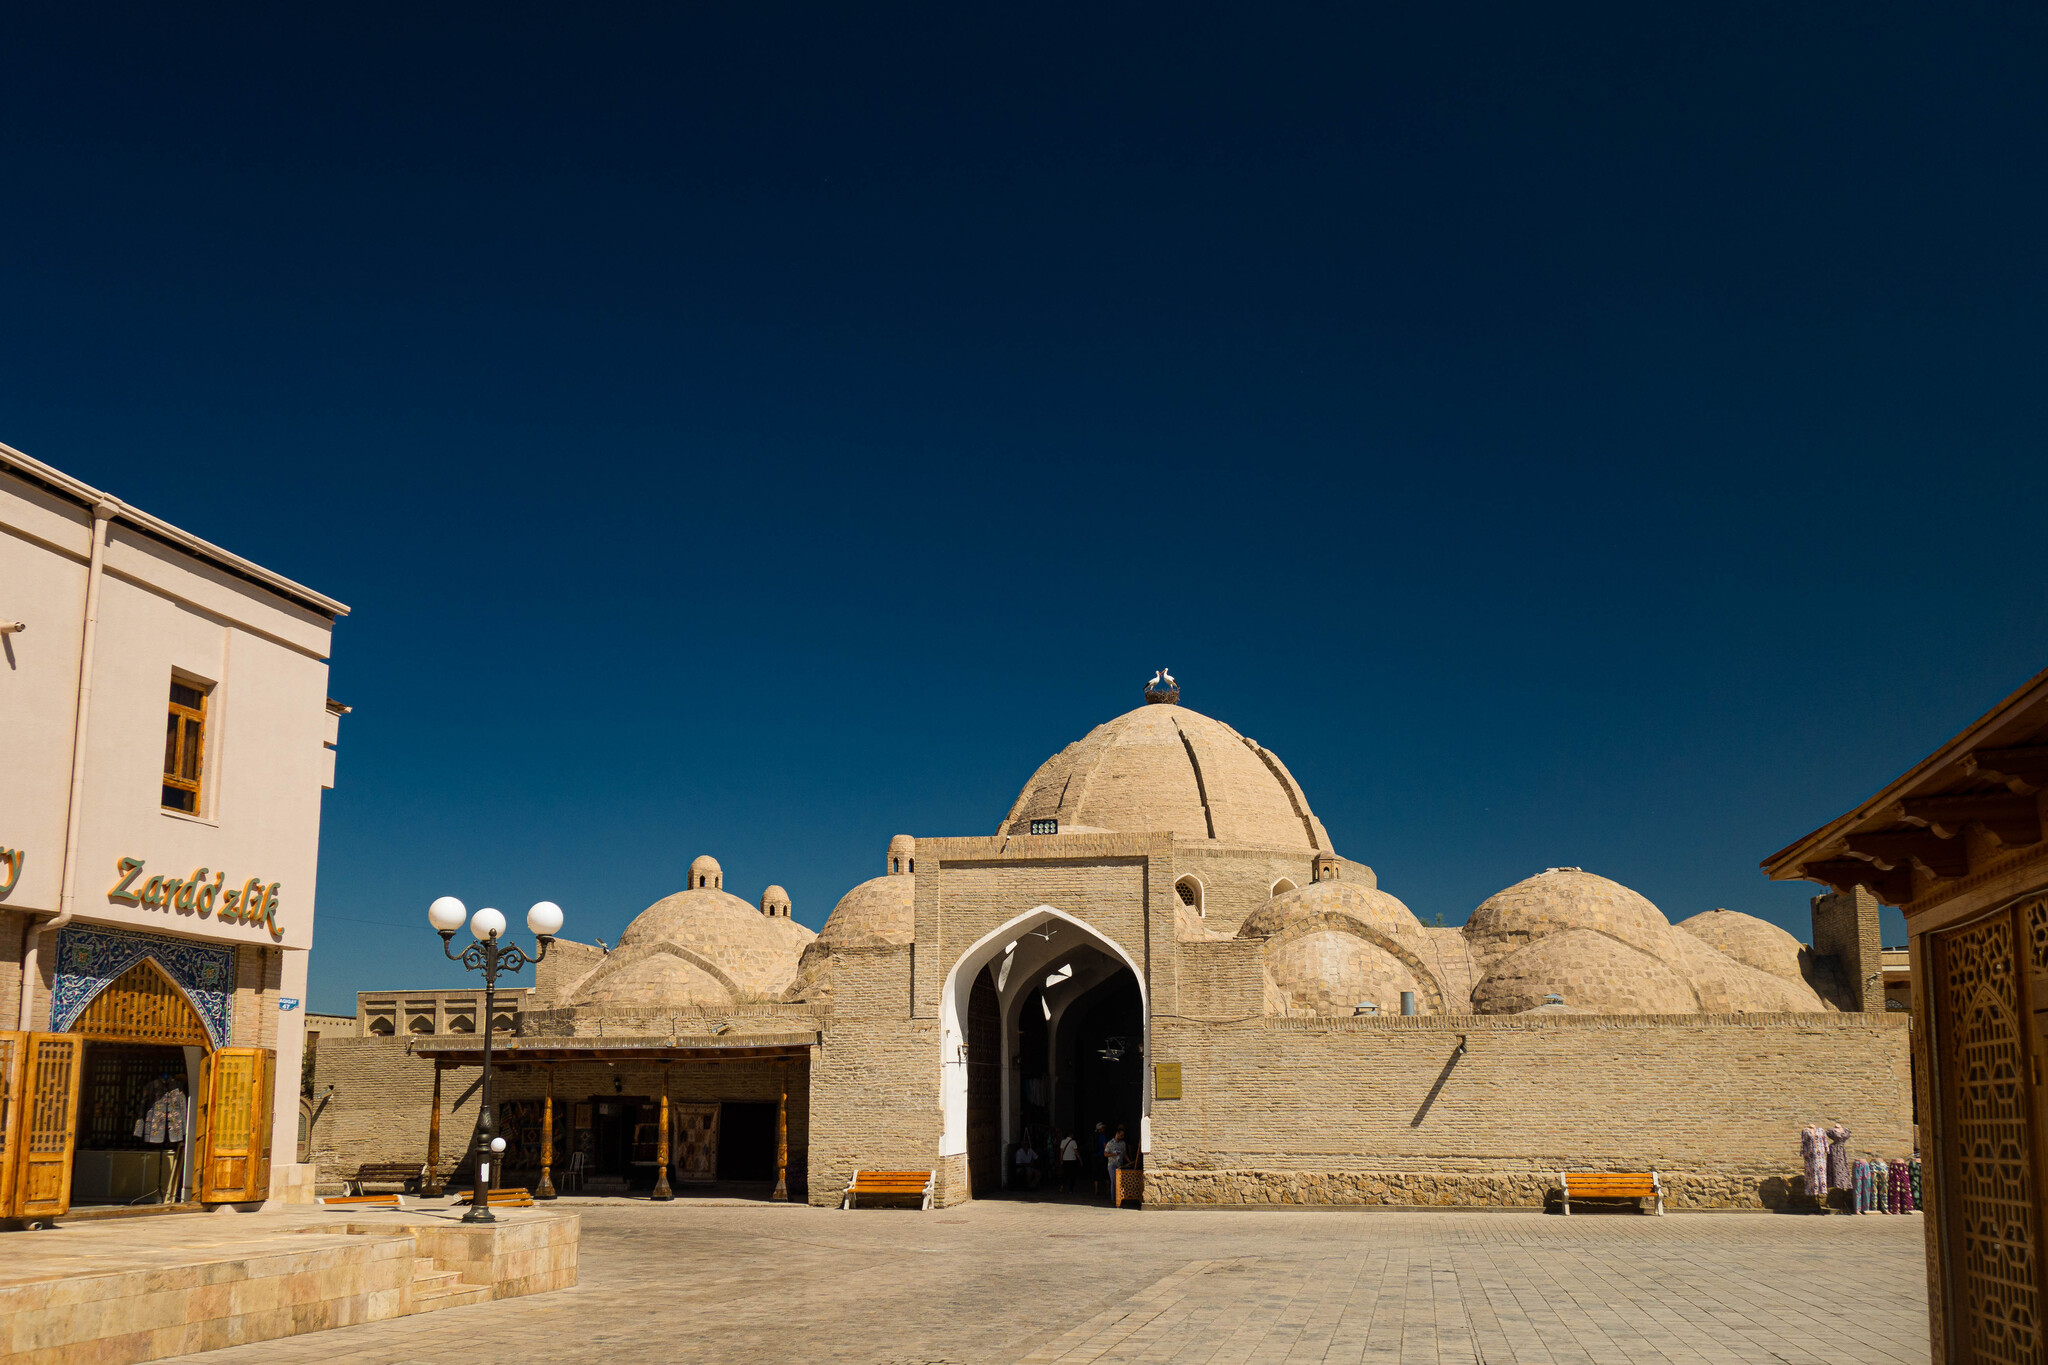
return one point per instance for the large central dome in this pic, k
(1163, 767)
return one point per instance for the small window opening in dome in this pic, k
(1282, 887)
(1553, 999)
(913, 865)
(1045, 826)
(895, 864)
(1190, 894)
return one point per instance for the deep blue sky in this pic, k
(1603, 435)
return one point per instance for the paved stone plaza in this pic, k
(1002, 1282)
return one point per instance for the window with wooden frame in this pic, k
(184, 746)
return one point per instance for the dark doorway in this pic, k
(984, 1086)
(616, 1126)
(1102, 1046)
(746, 1141)
(134, 1111)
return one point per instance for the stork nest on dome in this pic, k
(1163, 690)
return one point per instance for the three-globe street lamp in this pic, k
(490, 957)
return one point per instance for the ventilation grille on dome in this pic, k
(1045, 827)
(1187, 893)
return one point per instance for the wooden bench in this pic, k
(404, 1174)
(890, 1184)
(364, 1201)
(1636, 1185)
(501, 1199)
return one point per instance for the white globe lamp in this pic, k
(447, 914)
(487, 923)
(545, 919)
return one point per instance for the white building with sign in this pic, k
(165, 736)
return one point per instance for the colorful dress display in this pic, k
(1838, 1157)
(1813, 1150)
(1914, 1165)
(1861, 1183)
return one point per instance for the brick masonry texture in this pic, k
(1386, 1111)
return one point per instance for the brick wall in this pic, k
(11, 926)
(252, 1020)
(1384, 1111)
(1846, 929)
(874, 1084)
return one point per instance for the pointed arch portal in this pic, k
(1063, 968)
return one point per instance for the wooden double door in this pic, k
(1987, 988)
(40, 1075)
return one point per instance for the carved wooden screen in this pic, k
(49, 1103)
(236, 1125)
(984, 1086)
(142, 1006)
(13, 1049)
(1982, 1031)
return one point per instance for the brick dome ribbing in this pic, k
(1163, 768)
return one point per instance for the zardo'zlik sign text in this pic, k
(253, 903)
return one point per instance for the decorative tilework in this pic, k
(89, 960)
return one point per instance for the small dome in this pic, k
(758, 953)
(1165, 768)
(1331, 972)
(879, 913)
(1727, 985)
(902, 856)
(657, 981)
(706, 874)
(1592, 972)
(775, 903)
(1747, 939)
(1369, 905)
(1565, 898)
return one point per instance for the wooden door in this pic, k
(47, 1127)
(235, 1123)
(13, 1052)
(1988, 1146)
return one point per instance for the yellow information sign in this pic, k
(1166, 1081)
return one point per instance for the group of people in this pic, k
(1104, 1152)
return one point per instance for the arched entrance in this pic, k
(1043, 1024)
(145, 1056)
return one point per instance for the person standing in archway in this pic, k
(1097, 1157)
(1115, 1155)
(1070, 1163)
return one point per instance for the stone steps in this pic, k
(434, 1289)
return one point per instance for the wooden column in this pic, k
(661, 1189)
(546, 1188)
(782, 1133)
(431, 1186)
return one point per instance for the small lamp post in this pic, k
(486, 955)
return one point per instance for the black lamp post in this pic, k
(489, 956)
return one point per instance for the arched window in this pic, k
(1190, 891)
(1282, 887)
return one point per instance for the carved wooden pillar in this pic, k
(781, 1133)
(431, 1185)
(546, 1189)
(661, 1189)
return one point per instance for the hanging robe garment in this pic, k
(163, 1112)
(1880, 1185)
(1838, 1157)
(1861, 1179)
(1813, 1149)
(1919, 1201)
(1902, 1188)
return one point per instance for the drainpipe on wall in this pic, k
(102, 514)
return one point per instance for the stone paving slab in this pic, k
(1004, 1283)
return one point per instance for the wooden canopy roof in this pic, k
(469, 1051)
(1971, 810)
